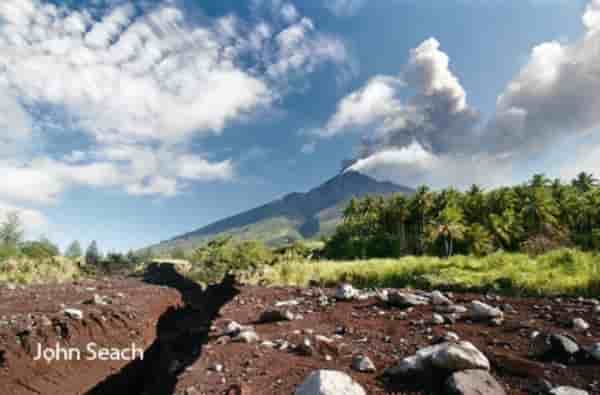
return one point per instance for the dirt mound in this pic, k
(230, 340)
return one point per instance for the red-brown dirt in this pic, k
(183, 344)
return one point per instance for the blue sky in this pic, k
(130, 122)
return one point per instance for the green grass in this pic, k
(564, 272)
(22, 270)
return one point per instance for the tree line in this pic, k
(14, 244)
(533, 217)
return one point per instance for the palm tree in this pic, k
(540, 211)
(539, 181)
(449, 227)
(584, 182)
(420, 208)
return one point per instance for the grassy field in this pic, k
(22, 270)
(565, 272)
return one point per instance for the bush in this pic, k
(212, 261)
(40, 249)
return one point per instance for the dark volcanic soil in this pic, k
(34, 315)
(184, 344)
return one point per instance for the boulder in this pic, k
(438, 298)
(437, 319)
(482, 311)
(554, 347)
(403, 299)
(459, 356)
(473, 382)
(329, 382)
(564, 390)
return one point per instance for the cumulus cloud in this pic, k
(140, 80)
(555, 93)
(435, 136)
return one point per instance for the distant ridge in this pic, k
(296, 216)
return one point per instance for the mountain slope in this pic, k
(296, 216)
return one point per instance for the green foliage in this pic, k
(92, 254)
(11, 230)
(560, 272)
(212, 261)
(41, 249)
(536, 217)
(178, 253)
(74, 250)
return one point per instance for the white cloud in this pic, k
(140, 80)
(34, 222)
(556, 94)
(344, 7)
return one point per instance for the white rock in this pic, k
(438, 319)
(74, 313)
(460, 356)
(346, 292)
(247, 336)
(451, 337)
(579, 325)
(567, 391)
(438, 298)
(482, 311)
(362, 363)
(232, 328)
(403, 299)
(292, 302)
(474, 382)
(329, 382)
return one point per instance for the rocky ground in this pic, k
(253, 340)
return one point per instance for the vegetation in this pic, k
(92, 254)
(212, 261)
(74, 250)
(533, 218)
(564, 272)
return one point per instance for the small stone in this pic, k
(579, 325)
(437, 319)
(482, 311)
(247, 336)
(74, 314)
(232, 328)
(217, 367)
(362, 363)
(346, 292)
(270, 316)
